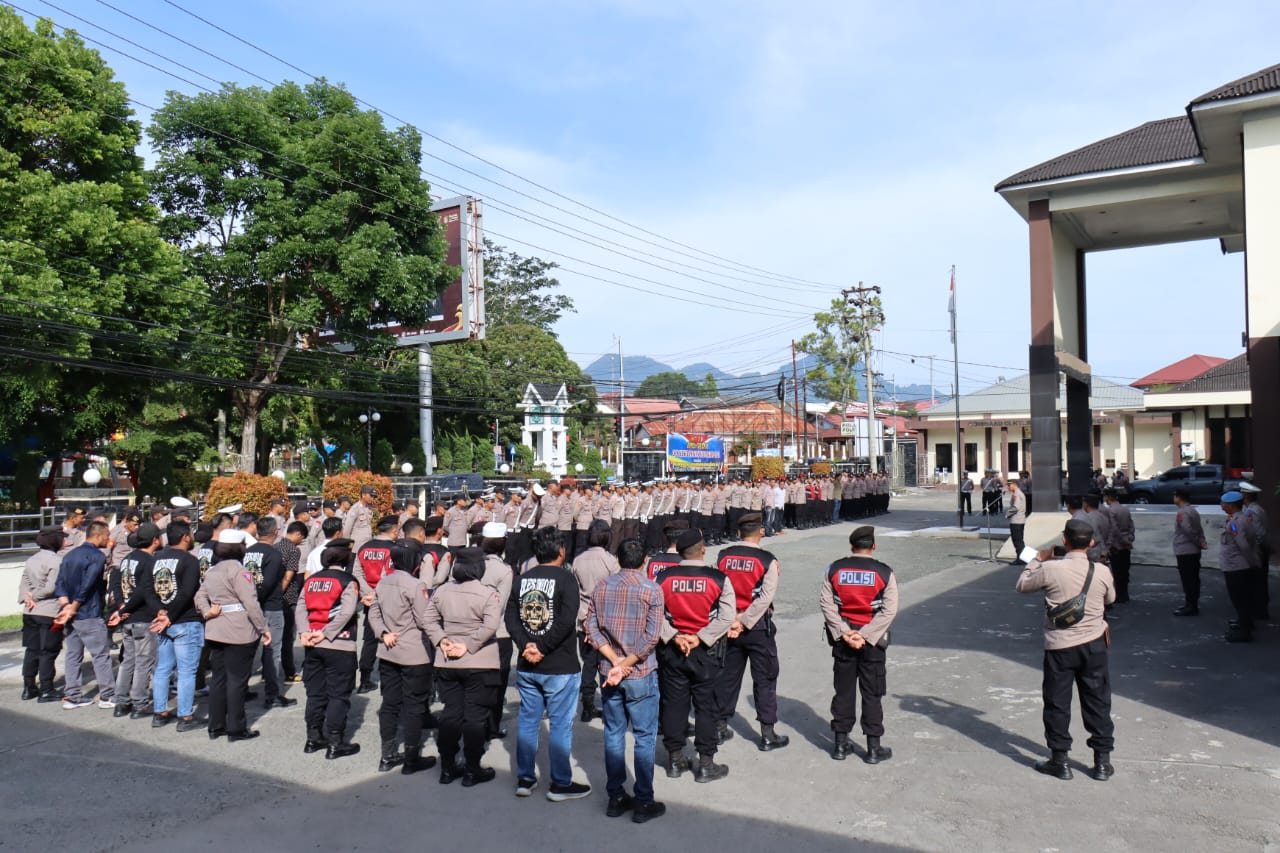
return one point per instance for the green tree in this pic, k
(669, 385)
(520, 290)
(84, 274)
(837, 345)
(709, 386)
(301, 212)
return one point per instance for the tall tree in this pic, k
(301, 213)
(87, 285)
(669, 385)
(836, 343)
(521, 290)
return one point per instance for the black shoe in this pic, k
(724, 734)
(1057, 768)
(843, 747)
(1187, 610)
(314, 743)
(214, 734)
(29, 691)
(123, 709)
(158, 720)
(875, 752)
(709, 771)
(247, 734)
(590, 712)
(49, 696)
(1102, 769)
(676, 766)
(366, 687)
(414, 761)
(448, 771)
(280, 702)
(769, 741)
(248, 695)
(498, 733)
(139, 714)
(341, 750)
(620, 806)
(572, 791)
(190, 724)
(1238, 635)
(645, 812)
(390, 761)
(525, 786)
(478, 776)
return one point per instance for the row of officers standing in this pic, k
(662, 635)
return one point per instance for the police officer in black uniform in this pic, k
(753, 572)
(327, 615)
(699, 610)
(859, 599)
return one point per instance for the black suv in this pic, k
(1205, 482)
(447, 488)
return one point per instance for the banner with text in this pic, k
(695, 452)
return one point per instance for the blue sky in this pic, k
(831, 142)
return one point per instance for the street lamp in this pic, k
(504, 468)
(406, 468)
(92, 476)
(369, 418)
(578, 468)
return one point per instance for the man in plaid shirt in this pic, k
(624, 621)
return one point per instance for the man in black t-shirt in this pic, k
(264, 561)
(175, 577)
(125, 590)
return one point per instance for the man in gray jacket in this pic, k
(398, 617)
(1017, 516)
(1238, 559)
(1188, 543)
(1120, 543)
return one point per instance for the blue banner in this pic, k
(695, 452)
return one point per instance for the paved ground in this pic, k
(1198, 758)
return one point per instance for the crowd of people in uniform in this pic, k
(585, 587)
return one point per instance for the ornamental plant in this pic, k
(349, 483)
(253, 491)
(767, 467)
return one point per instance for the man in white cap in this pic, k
(1255, 513)
(1238, 560)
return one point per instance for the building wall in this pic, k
(1262, 213)
(1152, 448)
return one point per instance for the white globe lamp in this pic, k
(92, 476)
(578, 467)
(278, 474)
(406, 468)
(504, 468)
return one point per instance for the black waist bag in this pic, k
(1071, 611)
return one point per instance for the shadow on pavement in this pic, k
(970, 722)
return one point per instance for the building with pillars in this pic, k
(1211, 172)
(544, 428)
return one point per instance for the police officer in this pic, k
(1120, 543)
(1238, 559)
(357, 524)
(753, 572)
(327, 614)
(859, 600)
(1076, 653)
(1188, 543)
(699, 610)
(373, 561)
(1261, 575)
(664, 560)
(72, 530)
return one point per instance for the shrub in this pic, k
(770, 467)
(349, 482)
(189, 482)
(820, 469)
(254, 491)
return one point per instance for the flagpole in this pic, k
(958, 461)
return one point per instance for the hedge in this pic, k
(767, 467)
(254, 491)
(349, 484)
(820, 469)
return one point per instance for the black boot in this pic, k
(339, 749)
(708, 770)
(315, 741)
(677, 764)
(391, 757)
(29, 690)
(1056, 766)
(1102, 769)
(589, 710)
(723, 732)
(414, 760)
(875, 752)
(843, 747)
(770, 740)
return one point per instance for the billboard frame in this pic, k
(471, 281)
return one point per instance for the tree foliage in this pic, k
(672, 385)
(836, 344)
(521, 291)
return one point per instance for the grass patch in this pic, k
(10, 623)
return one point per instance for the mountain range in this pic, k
(636, 368)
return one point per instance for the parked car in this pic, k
(1205, 482)
(447, 488)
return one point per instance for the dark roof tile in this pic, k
(1266, 80)
(1163, 141)
(1231, 375)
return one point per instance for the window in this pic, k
(1208, 472)
(971, 456)
(1178, 474)
(942, 457)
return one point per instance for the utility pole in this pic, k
(806, 418)
(622, 414)
(795, 400)
(869, 316)
(958, 461)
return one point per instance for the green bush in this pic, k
(767, 467)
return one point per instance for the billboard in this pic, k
(695, 452)
(458, 312)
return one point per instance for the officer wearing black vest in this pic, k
(373, 560)
(753, 572)
(664, 560)
(327, 615)
(699, 610)
(859, 598)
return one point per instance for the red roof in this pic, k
(1180, 371)
(642, 405)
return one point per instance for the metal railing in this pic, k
(18, 532)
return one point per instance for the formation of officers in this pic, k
(580, 586)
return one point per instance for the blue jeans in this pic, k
(179, 646)
(634, 700)
(558, 696)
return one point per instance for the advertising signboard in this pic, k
(694, 452)
(458, 312)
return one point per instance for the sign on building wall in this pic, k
(695, 452)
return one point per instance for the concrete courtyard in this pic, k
(1197, 757)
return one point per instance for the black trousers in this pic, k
(855, 670)
(42, 645)
(715, 526)
(1084, 666)
(615, 535)
(406, 690)
(759, 647)
(966, 502)
(519, 547)
(683, 681)
(287, 664)
(734, 514)
(506, 647)
(1189, 574)
(232, 664)
(1241, 590)
(202, 670)
(329, 676)
(590, 668)
(468, 696)
(1120, 560)
(1016, 532)
(789, 514)
(368, 649)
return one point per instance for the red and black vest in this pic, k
(691, 595)
(375, 558)
(322, 594)
(660, 563)
(858, 584)
(745, 567)
(435, 552)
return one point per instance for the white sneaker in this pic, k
(525, 787)
(106, 704)
(69, 704)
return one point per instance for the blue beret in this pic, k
(1232, 498)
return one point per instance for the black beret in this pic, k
(688, 539)
(866, 531)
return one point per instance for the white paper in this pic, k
(1028, 554)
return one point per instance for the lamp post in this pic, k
(369, 418)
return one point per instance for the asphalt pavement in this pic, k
(1197, 756)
